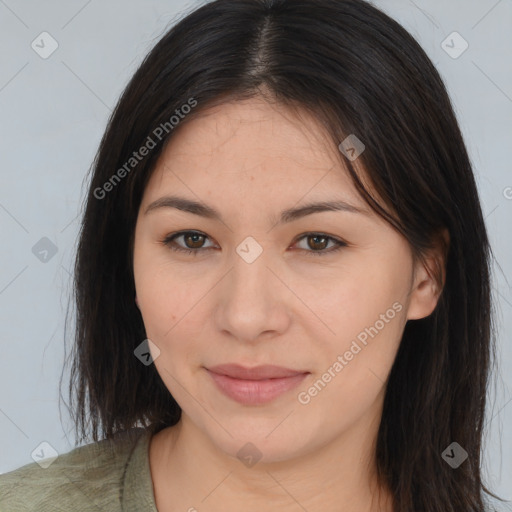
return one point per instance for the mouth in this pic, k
(257, 385)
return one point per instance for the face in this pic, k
(325, 294)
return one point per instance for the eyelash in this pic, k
(167, 241)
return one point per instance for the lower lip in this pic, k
(255, 392)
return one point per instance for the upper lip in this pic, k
(237, 371)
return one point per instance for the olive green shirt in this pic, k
(110, 475)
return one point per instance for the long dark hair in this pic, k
(359, 72)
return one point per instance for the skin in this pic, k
(290, 307)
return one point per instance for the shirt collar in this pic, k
(137, 485)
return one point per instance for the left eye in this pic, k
(196, 239)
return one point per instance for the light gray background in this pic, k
(53, 112)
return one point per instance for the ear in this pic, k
(429, 277)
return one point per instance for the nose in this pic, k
(253, 302)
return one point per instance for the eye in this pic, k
(319, 242)
(194, 238)
(194, 241)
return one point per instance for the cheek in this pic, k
(162, 296)
(157, 304)
(358, 300)
(166, 310)
(173, 317)
(354, 372)
(365, 315)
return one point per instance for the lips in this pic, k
(256, 373)
(255, 386)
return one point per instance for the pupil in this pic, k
(195, 236)
(318, 238)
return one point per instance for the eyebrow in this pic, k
(288, 215)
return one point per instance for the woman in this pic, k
(282, 278)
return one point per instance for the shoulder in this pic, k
(89, 477)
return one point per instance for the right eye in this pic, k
(192, 237)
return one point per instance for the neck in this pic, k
(190, 473)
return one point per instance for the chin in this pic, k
(257, 444)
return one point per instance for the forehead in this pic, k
(252, 149)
